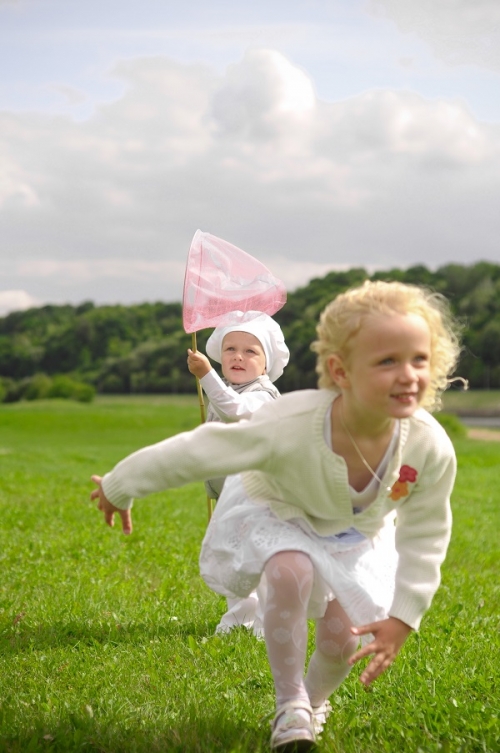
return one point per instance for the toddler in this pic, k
(252, 352)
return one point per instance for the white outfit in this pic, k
(232, 403)
(365, 599)
(246, 535)
(297, 493)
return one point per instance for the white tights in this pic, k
(290, 578)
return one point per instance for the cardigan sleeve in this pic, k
(423, 530)
(209, 451)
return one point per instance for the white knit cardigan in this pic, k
(286, 464)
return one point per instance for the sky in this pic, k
(314, 134)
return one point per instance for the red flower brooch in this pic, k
(400, 487)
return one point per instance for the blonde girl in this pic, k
(321, 476)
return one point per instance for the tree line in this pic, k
(52, 350)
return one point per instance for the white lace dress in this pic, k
(244, 533)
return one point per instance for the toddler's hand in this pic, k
(109, 509)
(389, 636)
(198, 364)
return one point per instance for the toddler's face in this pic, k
(243, 358)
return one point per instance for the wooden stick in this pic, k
(202, 414)
(198, 385)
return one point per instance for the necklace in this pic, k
(361, 456)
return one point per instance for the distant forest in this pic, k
(142, 348)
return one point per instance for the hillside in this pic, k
(142, 348)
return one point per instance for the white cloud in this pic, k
(117, 269)
(404, 123)
(16, 300)
(71, 95)
(105, 209)
(15, 185)
(293, 273)
(296, 274)
(459, 31)
(262, 97)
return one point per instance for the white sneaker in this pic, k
(320, 715)
(293, 731)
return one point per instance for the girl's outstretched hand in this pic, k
(389, 636)
(109, 509)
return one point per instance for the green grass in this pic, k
(106, 642)
(471, 400)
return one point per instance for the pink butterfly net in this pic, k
(221, 278)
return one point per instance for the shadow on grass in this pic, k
(197, 733)
(15, 639)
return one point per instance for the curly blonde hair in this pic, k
(342, 319)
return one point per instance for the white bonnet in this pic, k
(264, 328)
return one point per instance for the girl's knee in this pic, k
(333, 635)
(335, 650)
(291, 562)
(290, 573)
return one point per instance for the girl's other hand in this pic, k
(198, 364)
(109, 509)
(389, 636)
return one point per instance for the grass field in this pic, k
(469, 401)
(106, 642)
